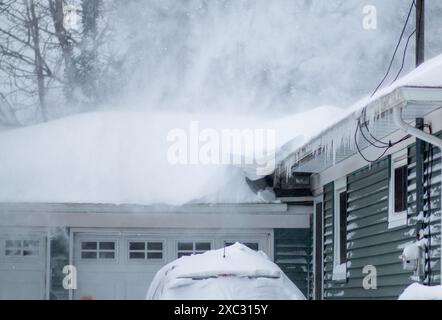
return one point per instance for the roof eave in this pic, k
(417, 101)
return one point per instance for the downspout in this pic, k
(397, 117)
(435, 141)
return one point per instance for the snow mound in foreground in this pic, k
(236, 272)
(418, 291)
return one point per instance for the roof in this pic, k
(420, 93)
(120, 157)
(109, 157)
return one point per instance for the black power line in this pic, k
(359, 150)
(373, 141)
(413, 4)
(404, 55)
(383, 145)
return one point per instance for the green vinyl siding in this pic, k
(369, 241)
(432, 206)
(293, 255)
(311, 278)
(328, 203)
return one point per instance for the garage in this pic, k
(22, 264)
(120, 264)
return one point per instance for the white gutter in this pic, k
(397, 117)
(435, 141)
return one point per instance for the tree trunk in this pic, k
(66, 45)
(89, 56)
(39, 67)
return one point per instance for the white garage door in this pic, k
(121, 265)
(116, 267)
(22, 265)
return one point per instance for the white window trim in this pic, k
(396, 219)
(339, 269)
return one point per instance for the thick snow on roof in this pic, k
(428, 74)
(234, 273)
(417, 291)
(341, 130)
(121, 157)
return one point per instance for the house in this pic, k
(354, 210)
(95, 191)
(376, 181)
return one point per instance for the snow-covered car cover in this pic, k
(232, 273)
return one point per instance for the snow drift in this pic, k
(417, 291)
(121, 157)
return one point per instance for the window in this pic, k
(98, 250)
(397, 212)
(251, 245)
(400, 189)
(189, 248)
(340, 230)
(343, 227)
(22, 248)
(145, 250)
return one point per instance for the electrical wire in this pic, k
(365, 122)
(413, 4)
(408, 41)
(404, 55)
(359, 149)
(375, 142)
(384, 145)
(379, 144)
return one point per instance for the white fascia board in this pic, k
(199, 216)
(157, 220)
(421, 95)
(296, 199)
(256, 208)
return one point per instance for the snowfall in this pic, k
(116, 156)
(234, 272)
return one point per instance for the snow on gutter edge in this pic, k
(342, 131)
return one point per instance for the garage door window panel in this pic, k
(189, 248)
(22, 248)
(101, 250)
(249, 244)
(145, 250)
